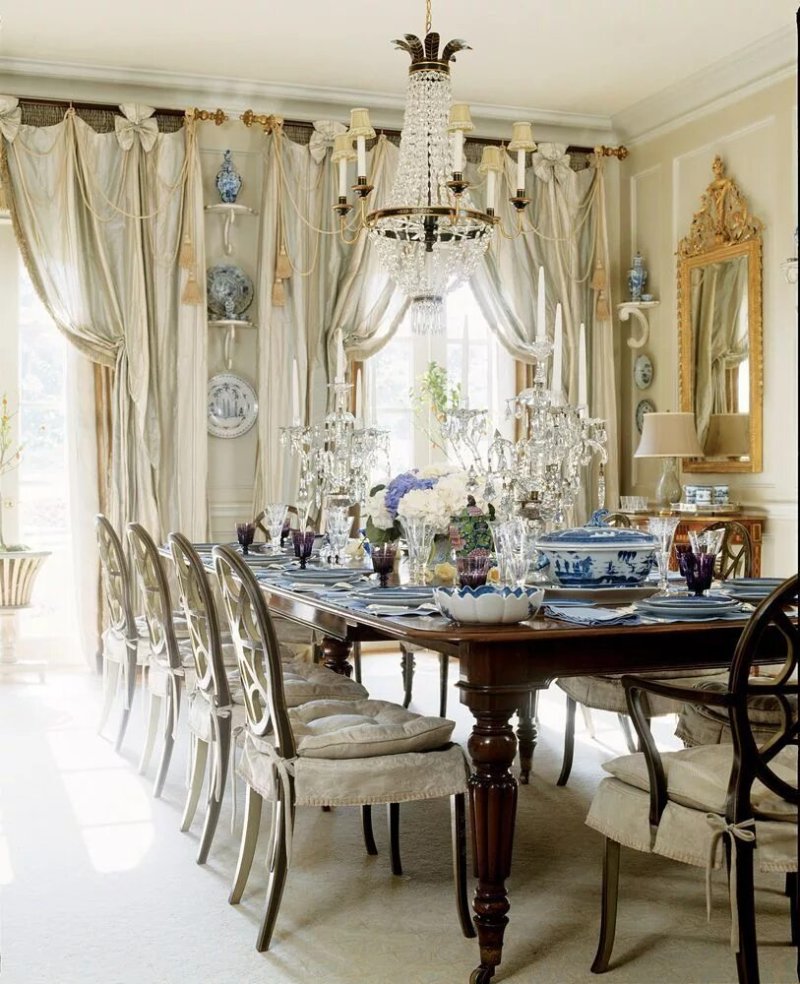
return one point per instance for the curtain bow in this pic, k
(549, 161)
(720, 828)
(322, 138)
(136, 120)
(10, 117)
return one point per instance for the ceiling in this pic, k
(553, 56)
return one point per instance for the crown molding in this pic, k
(67, 80)
(726, 81)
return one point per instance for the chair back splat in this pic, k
(735, 557)
(156, 602)
(198, 606)
(116, 580)
(257, 650)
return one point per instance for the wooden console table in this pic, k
(753, 521)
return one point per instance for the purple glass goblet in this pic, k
(303, 545)
(681, 549)
(383, 557)
(473, 571)
(245, 533)
(699, 571)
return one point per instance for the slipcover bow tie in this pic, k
(322, 138)
(10, 117)
(551, 160)
(136, 121)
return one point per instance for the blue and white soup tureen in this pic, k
(598, 556)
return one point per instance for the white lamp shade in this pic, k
(669, 435)
(728, 435)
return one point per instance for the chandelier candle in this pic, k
(541, 332)
(582, 399)
(555, 385)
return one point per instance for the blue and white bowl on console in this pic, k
(488, 605)
(599, 556)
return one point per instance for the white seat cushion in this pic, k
(200, 712)
(303, 682)
(353, 782)
(701, 724)
(698, 778)
(363, 729)
(606, 693)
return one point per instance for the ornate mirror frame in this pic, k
(722, 229)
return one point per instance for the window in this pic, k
(472, 356)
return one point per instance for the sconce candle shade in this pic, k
(669, 436)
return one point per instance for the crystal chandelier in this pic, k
(430, 235)
(337, 457)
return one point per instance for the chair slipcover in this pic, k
(606, 693)
(702, 725)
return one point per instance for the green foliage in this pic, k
(470, 532)
(432, 398)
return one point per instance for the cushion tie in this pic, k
(743, 831)
(284, 768)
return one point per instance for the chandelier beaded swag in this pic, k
(430, 236)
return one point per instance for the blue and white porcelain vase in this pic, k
(637, 278)
(229, 181)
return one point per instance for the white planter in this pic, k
(18, 570)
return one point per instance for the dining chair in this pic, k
(216, 705)
(171, 664)
(326, 753)
(125, 644)
(606, 693)
(682, 804)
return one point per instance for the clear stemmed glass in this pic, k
(663, 529)
(418, 535)
(275, 515)
(338, 526)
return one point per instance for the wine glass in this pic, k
(383, 556)
(473, 570)
(663, 529)
(303, 545)
(275, 514)
(245, 533)
(418, 534)
(338, 525)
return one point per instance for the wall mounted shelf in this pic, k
(637, 309)
(229, 212)
(230, 325)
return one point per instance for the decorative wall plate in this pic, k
(642, 371)
(643, 407)
(232, 405)
(229, 290)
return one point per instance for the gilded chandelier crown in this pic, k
(425, 54)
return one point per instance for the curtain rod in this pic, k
(271, 122)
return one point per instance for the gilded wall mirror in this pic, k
(719, 311)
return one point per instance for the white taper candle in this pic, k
(520, 170)
(339, 357)
(361, 152)
(582, 367)
(359, 410)
(557, 353)
(342, 178)
(490, 182)
(295, 393)
(541, 329)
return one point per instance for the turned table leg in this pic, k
(493, 797)
(335, 653)
(527, 733)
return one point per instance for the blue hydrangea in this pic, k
(400, 485)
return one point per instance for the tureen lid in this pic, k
(598, 536)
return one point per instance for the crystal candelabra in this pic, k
(541, 473)
(337, 457)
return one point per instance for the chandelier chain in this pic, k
(428, 20)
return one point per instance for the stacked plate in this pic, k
(320, 578)
(751, 589)
(397, 594)
(686, 607)
(612, 595)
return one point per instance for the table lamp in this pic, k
(669, 436)
(728, 435)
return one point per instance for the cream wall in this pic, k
(661, 185)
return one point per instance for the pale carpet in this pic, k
(100, 886)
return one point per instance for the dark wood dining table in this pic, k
(501, 668)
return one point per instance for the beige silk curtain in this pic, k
(569, 239)
(100, 218)
(336, 295)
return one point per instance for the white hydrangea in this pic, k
(425, 504)
(377, 511)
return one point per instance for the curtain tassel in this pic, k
(599, 280)
(601, 311)
(278, 293)
(191, 292)
(283, 268)
(186, 256)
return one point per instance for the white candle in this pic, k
(582, 367)
(557, 348)
(361, 151)
(520, 170)
(295, 393)
(465, 362)
(359, 409)
(343, 178)
(541, 330)
(490, 180)
(458, 151)
(339, 356)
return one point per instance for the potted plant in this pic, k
(18, 564)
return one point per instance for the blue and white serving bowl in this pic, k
(599, 556)
(488, 605)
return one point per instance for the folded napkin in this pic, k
(591, 614)
(395, 611)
